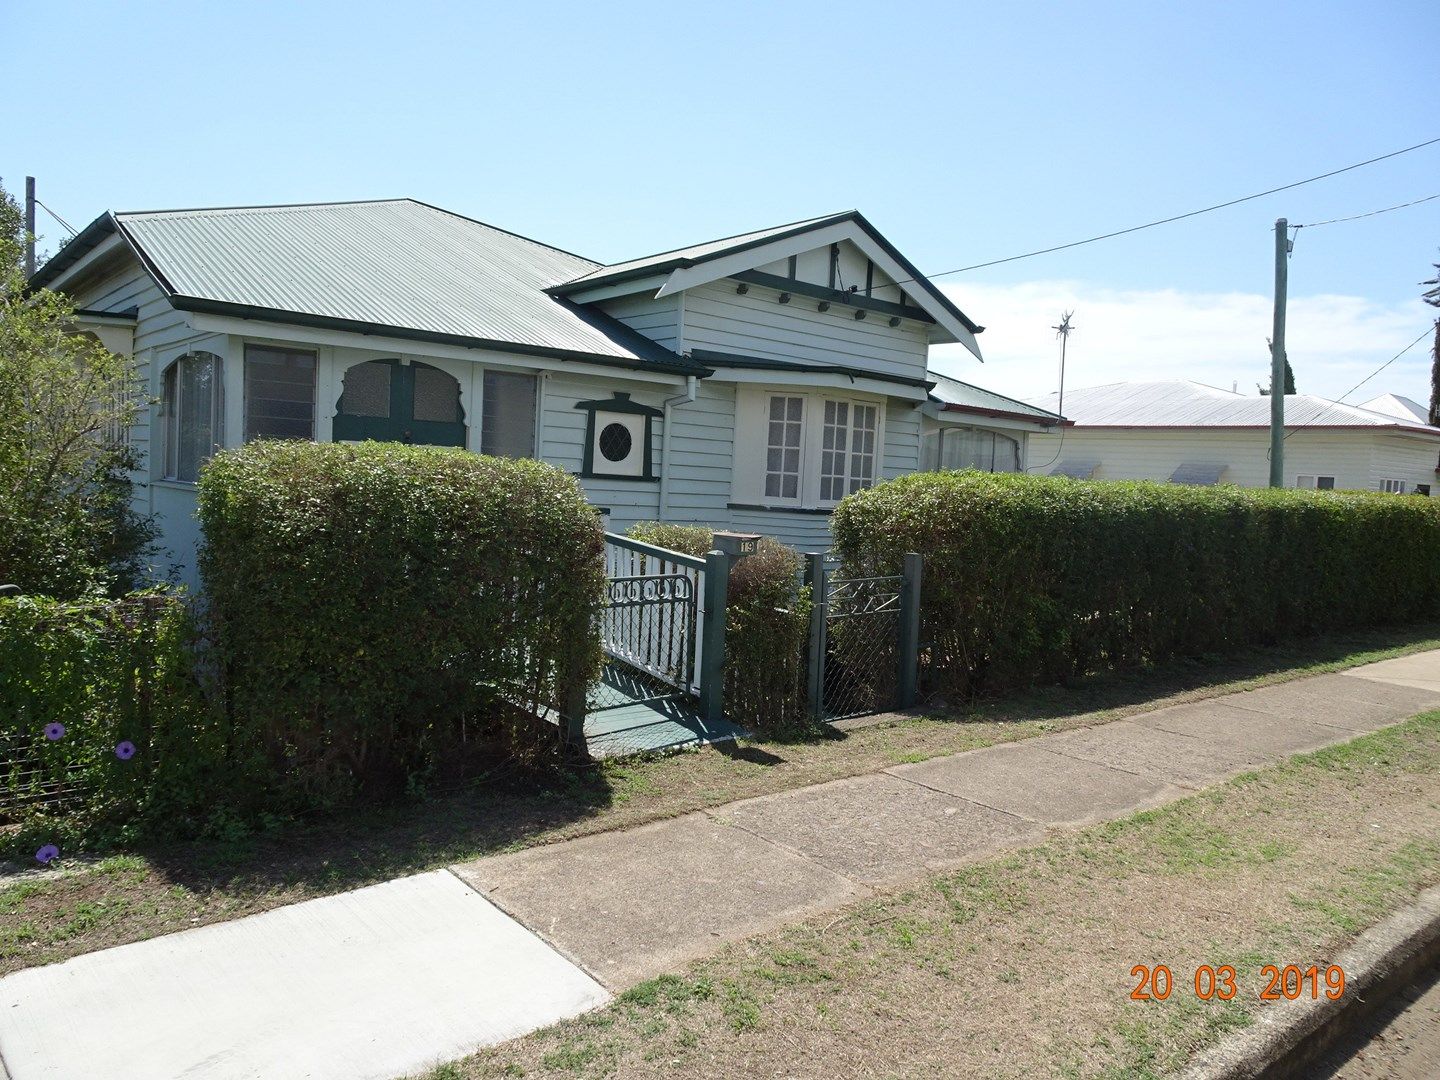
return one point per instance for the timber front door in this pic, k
(389, 401)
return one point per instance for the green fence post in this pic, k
(909, 628)
(815, 580)
(712, 637)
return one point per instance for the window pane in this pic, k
(1007, 454)
(1326, 483)
(193, 414)
(279, 393)
(507, 426)
(782, 458)
(367, 389)
(437, 395)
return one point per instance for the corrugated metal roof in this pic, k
(953, 393)
(696, 252)
(388, 264)
(1396, 405)
(1182, 404)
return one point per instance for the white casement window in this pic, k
(279, 393)
(507, 424)
(193, 410)
(783, 447)
(805, 450)
(1393, 487)
(847, 449)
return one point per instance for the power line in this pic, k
(1181, 217)
(57, 217)
(1423, 335)
(1372, 213)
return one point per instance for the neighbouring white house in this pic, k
(1188, 432)
(1398, 405)
(747, 383)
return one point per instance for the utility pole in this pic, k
(1277, 356)
(29, 226)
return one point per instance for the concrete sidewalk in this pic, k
(394, 978)
(631, 905)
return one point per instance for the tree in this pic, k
(1431, 296)
(1289, 376)
(66, 523)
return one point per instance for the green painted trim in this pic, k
(712, 636)
(129, 315)
(731, 360)
(401, 421)
(812, 510)
(620, 403)
(836, 296)
(676, 365)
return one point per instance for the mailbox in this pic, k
(737, 545)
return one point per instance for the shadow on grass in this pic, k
(513, 807)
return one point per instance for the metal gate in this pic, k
(863, 640)
(650, 624)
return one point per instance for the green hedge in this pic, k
(384, 614)
(1031, 579)
(767, 620)
(78, 682)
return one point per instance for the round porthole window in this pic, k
(615, 442)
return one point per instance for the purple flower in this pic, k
(55, 731)
(46, 853)
(125, 750)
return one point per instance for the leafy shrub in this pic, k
(78, 681)
(66, 524)
(766, 626)
(383, 613)
(1032, 579)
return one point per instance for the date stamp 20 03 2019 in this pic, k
(1156, 982)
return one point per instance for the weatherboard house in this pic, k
(747, 383)
(1188, 432)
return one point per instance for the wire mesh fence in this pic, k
(861, 654)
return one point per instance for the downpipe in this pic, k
(692, 383)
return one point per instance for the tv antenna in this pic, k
(1063, 333)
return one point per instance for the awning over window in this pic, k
(1198, 473)
(1075, 469)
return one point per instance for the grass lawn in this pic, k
(1021, 966)
(49, 915)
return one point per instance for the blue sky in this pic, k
(965, 132)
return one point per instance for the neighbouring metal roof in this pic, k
(1198, 472)
(1401, 407)
(952, 394)
(1183, 404)
(1076, 469)
(397, 267)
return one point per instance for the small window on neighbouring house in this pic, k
(782, 448)
(192, 406)
(1393, 487)
(507, 425)
(1422, 489)
(1325, 483)
(1321, 483)
(279, 393)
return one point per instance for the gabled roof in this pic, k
(955, 396)
(396, 267)
(689, 256)
(686, 262)
(1184, 404)
(1395, 405)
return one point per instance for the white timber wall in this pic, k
(719, 319)
(1356, 458)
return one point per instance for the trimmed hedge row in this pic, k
(384, 614)
(1033, 579)
(103, 728)
(767, 619)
